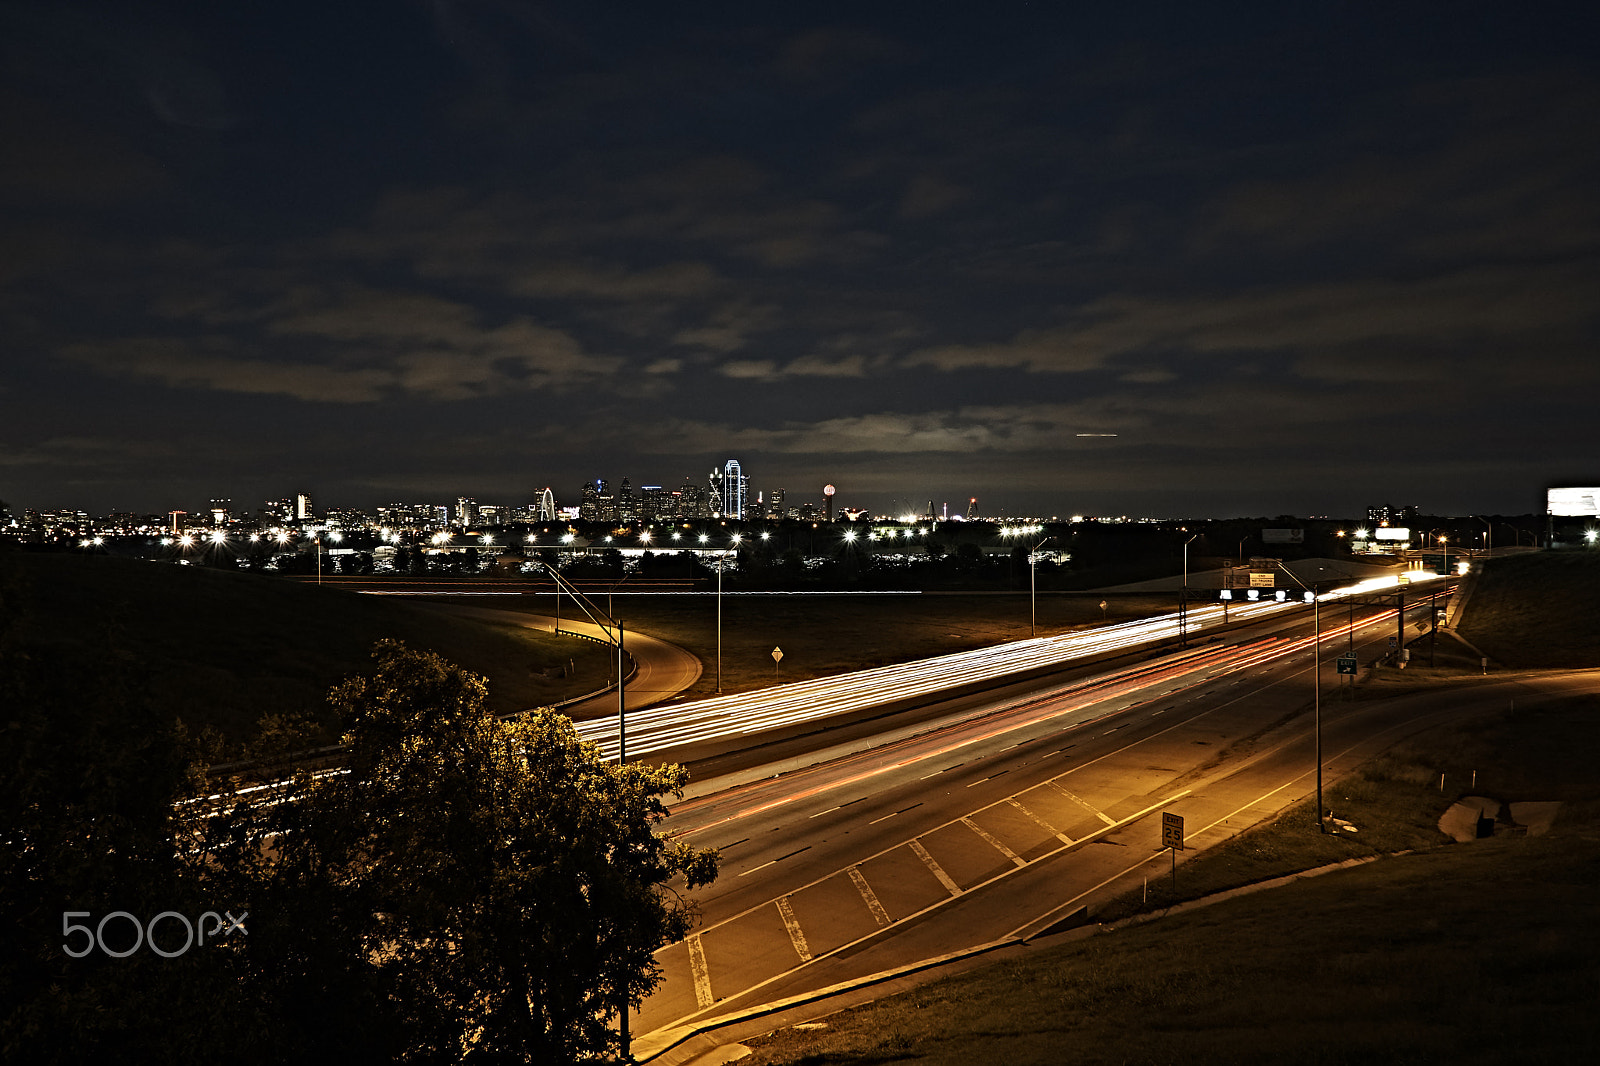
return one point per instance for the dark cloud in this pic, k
(486, 247)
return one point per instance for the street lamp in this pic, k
(1033, 594)
(1316, 682)
(721, 559)
(1183, 600)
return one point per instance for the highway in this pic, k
(691, 731)
(955, 831)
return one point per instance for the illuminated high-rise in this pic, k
(733, 489)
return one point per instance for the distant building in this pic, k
(302, 508)
(733, 489)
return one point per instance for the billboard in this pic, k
(1283, 536)
(1391, 533)
(1573, 502)
(1263, 581)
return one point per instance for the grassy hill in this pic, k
(1537, 610)
(222, 648)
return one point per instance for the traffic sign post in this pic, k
(777, 657)
(1347, 664)
(1172, 838)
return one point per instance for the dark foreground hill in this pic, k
(222, 648)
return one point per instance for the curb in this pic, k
(676, 1039)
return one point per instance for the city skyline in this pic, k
(1155, 260)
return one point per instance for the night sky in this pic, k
(1188, 260)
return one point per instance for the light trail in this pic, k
(660, 728)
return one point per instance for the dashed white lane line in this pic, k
(796, 935)
(1040, 822)
(998, 845)
(934, 868)
(879, 915)
(1080, 802)
(702, 975)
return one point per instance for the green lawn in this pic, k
(222, 648)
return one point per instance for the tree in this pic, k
(496, 882)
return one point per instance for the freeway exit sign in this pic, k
(1347, 664)
(1172, 831)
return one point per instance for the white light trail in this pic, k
(659, 728)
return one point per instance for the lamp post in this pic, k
(1183, 600)
(1316, 682)
(721, 559)
(612, 629)
(1033, 592)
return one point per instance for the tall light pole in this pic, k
(1033, 591)
(1183, 600)
(721, 559)
(1488, 534)
(1316, 682)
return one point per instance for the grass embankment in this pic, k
(1484, 952)
(223, 648)
(1537, 610)
(823, 635)
(1525, 612)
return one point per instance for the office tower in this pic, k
(302, 508)
(733, 489)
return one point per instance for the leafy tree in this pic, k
(495, 883)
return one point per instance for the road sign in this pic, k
(1392, 642)
(1347, 664)
(777, 655)
(1172, 831)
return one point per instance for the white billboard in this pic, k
(1391, 533)
(1573, 503)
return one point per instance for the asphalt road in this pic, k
(997, 824)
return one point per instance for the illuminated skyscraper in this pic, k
(714, 493)
(733, 488)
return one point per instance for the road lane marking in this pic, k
(702, 975)
(836, 951)
(1092, 810)
(998, 846)
(991, 777)
(1040, 822)
(902, 810)
(796, 935)
(935, 868)
(879, 915)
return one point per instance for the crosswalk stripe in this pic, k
(935, 868)
(879, 915)
(796, 934)
(1040, 822)
(702, 975)
(1000, 847)
(1082, 803)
